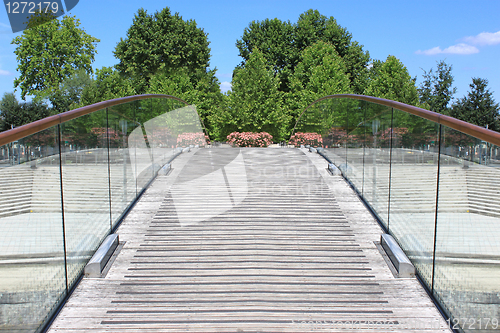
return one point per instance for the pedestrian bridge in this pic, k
(281, 239)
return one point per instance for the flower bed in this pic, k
(187, 139)
(249, 139)
(312, 139)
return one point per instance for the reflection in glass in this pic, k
(467, 238)
(104, 159)
(377, 155)
(122, 180)
(32, 273)
(436, 194)
(84, 156)
(414, 178)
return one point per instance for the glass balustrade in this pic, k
(65, 188)
(434, 188)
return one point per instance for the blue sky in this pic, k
(466, 34)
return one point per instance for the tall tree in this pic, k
(8, 104)
(255, 104)
(161, 40)
(478, 107)
(15, 114)
(282, 43)
(436, 90)
(70, 91)
(313, 27)
(107, 84)
(57, 48)
(275, 39)
(390, 79)
(320, 72)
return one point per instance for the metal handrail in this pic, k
(459, 125)
(39, 125)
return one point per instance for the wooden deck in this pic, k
(250, 240)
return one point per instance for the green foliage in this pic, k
(161, 41)
(201, 89)
(391, 80)
(436, 91)
(313, 27)
(478, 107)
(320, 72)
(275, 39)
(107, 84)
(57, 48)
(13, 113)
(68, 96)
(255, 104)
(282, 43)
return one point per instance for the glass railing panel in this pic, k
(84, 157)
(322, 125)
(414, 170)
(143, 157)
(377, 154)
(354, 111)
(467, 263)
(185, 125)
(123, 188)
(160, 138)
(32, 271)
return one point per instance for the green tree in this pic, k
(201, 89)
(436, 91)
(478, 107)
(14, 114)
(282, 43)
(320, 72)
(313, 27)
(275, 39)
(70, 91)
(8, 104)
(161, 41)
(255, 104)
(57, 48)
(107, 84)
(390, 79)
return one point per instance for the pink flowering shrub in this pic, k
(249, 139)
(187, 139)
(312, 139)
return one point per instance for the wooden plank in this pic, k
(269, 263)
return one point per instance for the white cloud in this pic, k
(4, 72)
(225, 86)
(454, 49)
(484, 38)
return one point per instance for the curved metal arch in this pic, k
(459, 125)
(39, 125)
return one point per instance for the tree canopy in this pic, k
(161, 41)
(436, 90)
(14, 114)
(255, 103)
(478, 107)
(390, 79)
(107, 84)
(57, 48)
(282, 43)
(320, 72)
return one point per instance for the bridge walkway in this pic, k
(249, 240)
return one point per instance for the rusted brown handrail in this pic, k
(39, 125)
(459, 125)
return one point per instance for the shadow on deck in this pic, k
(249, 240)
